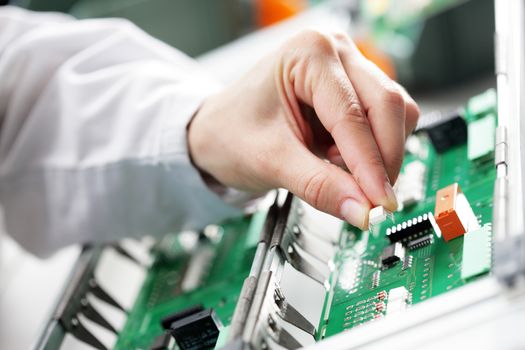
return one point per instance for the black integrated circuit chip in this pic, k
(410, 229)
(448, 132)
(167, 321)
(420, 242)
(392, 254)
(197, 331)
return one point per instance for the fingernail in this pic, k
(354, 213)
(391, 197)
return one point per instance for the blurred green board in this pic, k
(161, 294)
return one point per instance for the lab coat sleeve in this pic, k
(94, 115)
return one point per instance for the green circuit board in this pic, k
(358, 276)
(232, 249)
(359, 282)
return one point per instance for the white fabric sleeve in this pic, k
(93, 120)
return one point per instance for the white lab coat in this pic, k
(93, 146)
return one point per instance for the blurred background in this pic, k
(425, 44)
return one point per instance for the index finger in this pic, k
(392, 113)
(340, 111)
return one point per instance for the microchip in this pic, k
(167, 321)
(392, 254)
(420, 242)
(448, 132)
(197, 331)
(410, 229)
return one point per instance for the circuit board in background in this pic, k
(358, 278)
(226, 261)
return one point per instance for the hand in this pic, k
(299, 118)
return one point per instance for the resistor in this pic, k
(382, 295)
(380, 306)
(378, 316)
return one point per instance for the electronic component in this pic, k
(381, 295)
(407, 262)
(376, 278)
(410, 186)
(198, 267)
(481, 136)
(378, 215)
(477, 252)
(197, 331)
(168, 320)
(410, 229)
(163, 342)
(450, 131)
(397, 300)
(453, 212)
(420, 242)
(392, 254)
(380, 307)
(414, 145)
(483, 103)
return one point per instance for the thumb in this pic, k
(324, 186)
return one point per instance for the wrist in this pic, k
(195, 141)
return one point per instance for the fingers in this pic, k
(336, 103)
(324, 186)
(334, 156)
(384, 105)
(345, 120)
(391, 111)
(411, 111)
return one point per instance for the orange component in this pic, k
(272, 11)
(374, 54)
(446, 215)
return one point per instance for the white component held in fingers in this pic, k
(378, 215)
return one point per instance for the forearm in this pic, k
(93, 139)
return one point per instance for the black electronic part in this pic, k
(420, 242)
(392, 254)
(163, 342)
(410, 229)
(197, 331)
(167, 321)
(448, 132)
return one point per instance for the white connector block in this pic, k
(378, 215)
